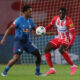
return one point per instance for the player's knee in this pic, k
(61, 50)
(37, 54)
(46, 50)
(38, 59)
(16, 57)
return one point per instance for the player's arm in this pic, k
(34, 31)
(13, 25)
(33, 25)
(72, 32)
(49, 26)
(50, 33)
(6, 34)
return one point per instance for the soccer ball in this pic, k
(40, 30)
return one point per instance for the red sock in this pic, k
(48, 59)
(67, 58)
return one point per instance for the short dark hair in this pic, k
(63, 9)
(25, 8)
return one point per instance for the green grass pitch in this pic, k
(27, 72)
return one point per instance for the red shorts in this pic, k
(57, 42)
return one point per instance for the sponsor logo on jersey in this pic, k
(26, 30)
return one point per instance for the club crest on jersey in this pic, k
(26, 30)
(71, 25)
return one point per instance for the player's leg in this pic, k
(47, 54)
(10, 63)
(65, 54)
(18, 49)
(67, 58)
(52, 45)
(37, 55)
(31, 48)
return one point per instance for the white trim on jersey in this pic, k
(53, 43)
(51, 23)
(34, 45)
(71, 28)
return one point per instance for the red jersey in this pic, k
(65, 28)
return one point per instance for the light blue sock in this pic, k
(6, 69)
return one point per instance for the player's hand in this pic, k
(2, 41)
(50, 33)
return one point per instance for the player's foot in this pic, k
(51, 72)
(3, 74)
(38, 74)
(73, 70)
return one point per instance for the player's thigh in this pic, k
(62, 49)
(64, 42)
(30, 47)
(18, 47)
(63, 45)
(55, 43)
(48, 48)
(36, 53)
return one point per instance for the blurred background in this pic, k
(43, 12)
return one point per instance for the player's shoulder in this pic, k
(57, 16)
(69, 22)
(17, 20)
(68, 18)
(20, 17)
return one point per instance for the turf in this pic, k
(27, 72)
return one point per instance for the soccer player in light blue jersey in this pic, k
(23, 26)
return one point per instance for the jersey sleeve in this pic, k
(70, 24)
(16, 22)
(71, 30)
(54, 19)
(49, 26)
(33, 25)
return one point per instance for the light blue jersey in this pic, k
(23, 28)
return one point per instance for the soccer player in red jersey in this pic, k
(64, 41)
